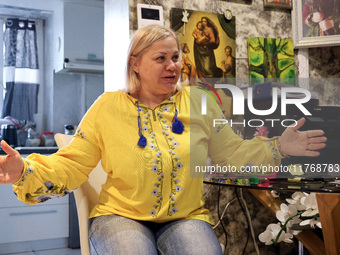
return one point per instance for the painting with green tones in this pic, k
(271, 59)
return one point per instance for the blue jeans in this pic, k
(117, 235)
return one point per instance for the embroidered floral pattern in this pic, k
(275, 151)
(220, 124)
(47, 192)
(157, 168)
(27, 170)
(176, 164)
(80, 134)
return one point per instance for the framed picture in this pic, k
(208, 45)
(271, 58)
(278, 3)
(316, 23)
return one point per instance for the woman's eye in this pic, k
(175, 58)
(160, 58)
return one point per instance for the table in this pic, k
(328, 198)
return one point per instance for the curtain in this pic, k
(21, 69)
(228, 26)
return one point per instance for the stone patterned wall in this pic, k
(252, 19)
(324, 62)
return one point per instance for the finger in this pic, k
(316, 146)
(314, 133)
(312, 153)
(299, 124)
(321, 139)
(8, 149)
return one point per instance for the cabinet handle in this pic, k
(32, 213)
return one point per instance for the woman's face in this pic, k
(204, 22)
(159, 67)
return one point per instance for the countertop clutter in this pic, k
(22, 136)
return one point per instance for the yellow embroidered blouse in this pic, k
(153, 183)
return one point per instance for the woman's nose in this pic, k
(171, 66)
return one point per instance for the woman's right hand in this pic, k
(11, 165)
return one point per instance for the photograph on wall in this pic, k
(287, 4)
(208, 46)
(271, 58)
(316, 23)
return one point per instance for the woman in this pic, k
(198, 33)
(143, 136)
(228, 64)
(188, 73)
(205, 60)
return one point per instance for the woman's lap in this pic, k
(113, 234)
(189, 237)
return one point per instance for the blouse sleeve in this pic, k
(226, 148)
(45, 177)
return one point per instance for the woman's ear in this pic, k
(134, 64)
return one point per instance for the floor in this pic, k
(64, 251)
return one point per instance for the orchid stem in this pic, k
(284, 226)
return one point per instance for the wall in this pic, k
(115, 50)
(253, 20)
(73, 95)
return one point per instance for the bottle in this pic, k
(69, 129)
(32, 138)
(48, 138)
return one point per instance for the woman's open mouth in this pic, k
(169, 78)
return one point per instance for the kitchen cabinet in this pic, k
(32, 227)
(81, 46)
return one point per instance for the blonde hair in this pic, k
(141, 41)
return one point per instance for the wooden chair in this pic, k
(86, 196)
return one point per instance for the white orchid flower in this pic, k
(311, 205)
(271, 234)
(312, 222)
(286, 212)
(296, 200)
(300, 205)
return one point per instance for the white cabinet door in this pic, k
(82, 42)
(83, 31)
(19, 224)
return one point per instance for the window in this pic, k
(40, 45)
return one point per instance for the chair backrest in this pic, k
(86, 196)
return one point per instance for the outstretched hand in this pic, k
(302, 143)
(11, 165)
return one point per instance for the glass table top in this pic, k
(331, 185)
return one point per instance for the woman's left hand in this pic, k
(302, 143)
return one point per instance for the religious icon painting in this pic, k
(208, 46)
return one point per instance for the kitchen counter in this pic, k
(30, 150)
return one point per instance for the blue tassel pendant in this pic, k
(177, 125)
(142, 141)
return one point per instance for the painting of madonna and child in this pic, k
(208, 46)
